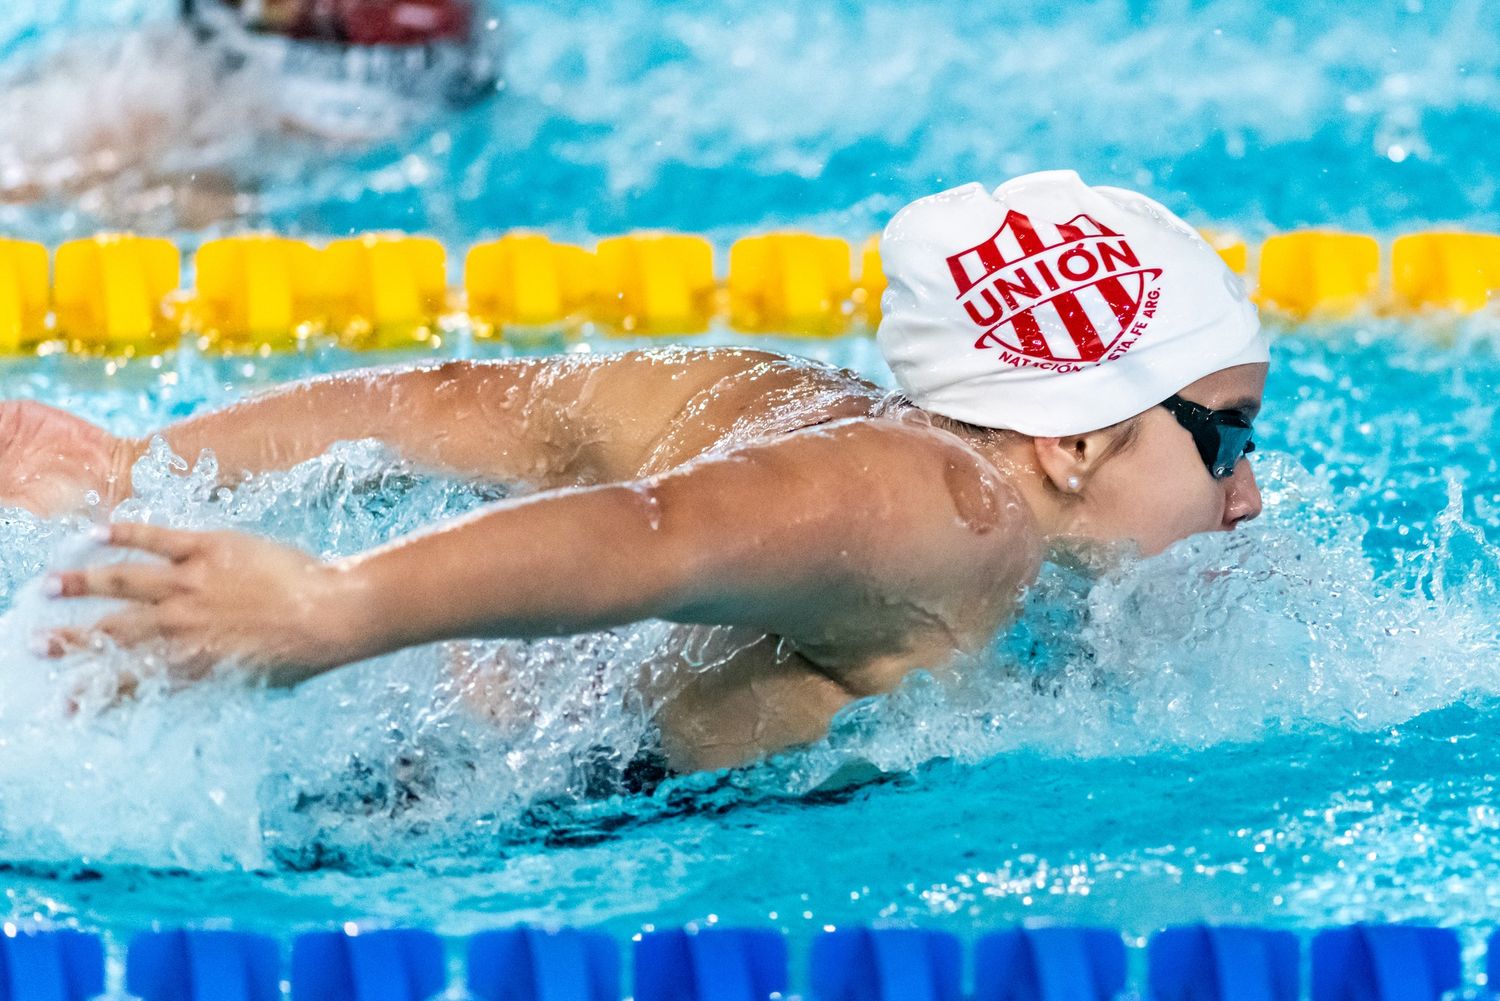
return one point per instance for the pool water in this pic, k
(724, 116)
(1300, 735)
(1294, 724)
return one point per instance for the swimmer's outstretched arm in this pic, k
(844, 539)
(505, 420)
(548, 421)
(514, 420)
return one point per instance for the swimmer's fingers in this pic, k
(103, 693)
(130, 627)
(126, 629)
(55, 643)
(100, 692)
(146, 582)
(175, 544)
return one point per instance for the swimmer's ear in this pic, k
(1067, 462)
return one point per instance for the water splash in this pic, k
(384, 760)
(453, 750)
(1283, 625)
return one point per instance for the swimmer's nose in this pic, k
(1243, 500)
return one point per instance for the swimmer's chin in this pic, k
(1093, 558)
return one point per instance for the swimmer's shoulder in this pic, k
(950, 500)
(944, 546)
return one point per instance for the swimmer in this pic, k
(178, 125)
(1078, 375)
(358, 22)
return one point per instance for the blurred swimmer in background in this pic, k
(166, 126)
(1078, 375)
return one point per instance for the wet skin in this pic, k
(842, 537)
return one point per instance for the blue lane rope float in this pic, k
(1492, 962)
(530, 964)
(1384, 963)
(393, 964)
(60, 965)
(1207, 963)
(864, 964)
(1049, 964)
(1194, 963)
(714, 964)
(203, 965)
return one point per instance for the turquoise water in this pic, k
(1303, 733)
(726, 115)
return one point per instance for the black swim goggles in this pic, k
(1222, 436)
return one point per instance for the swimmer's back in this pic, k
(643, 412)
(832, 540)
(941, 542)
(947, 537)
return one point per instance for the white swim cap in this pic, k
(1053, 308)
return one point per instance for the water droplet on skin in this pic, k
(651, 503)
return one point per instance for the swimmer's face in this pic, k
(1156, 490)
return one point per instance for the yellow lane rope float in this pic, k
(122, 294)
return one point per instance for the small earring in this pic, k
(1074, 483)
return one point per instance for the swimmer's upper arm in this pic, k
(852, 523)
(854, 534)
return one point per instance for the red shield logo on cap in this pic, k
(1059, 296)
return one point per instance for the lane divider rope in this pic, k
(1186, 963)
(122, 294)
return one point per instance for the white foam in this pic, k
(1285, 626)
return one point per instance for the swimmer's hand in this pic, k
(215, 597)
(50, 460)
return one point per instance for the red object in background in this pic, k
(403, 22)
(365, 22)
